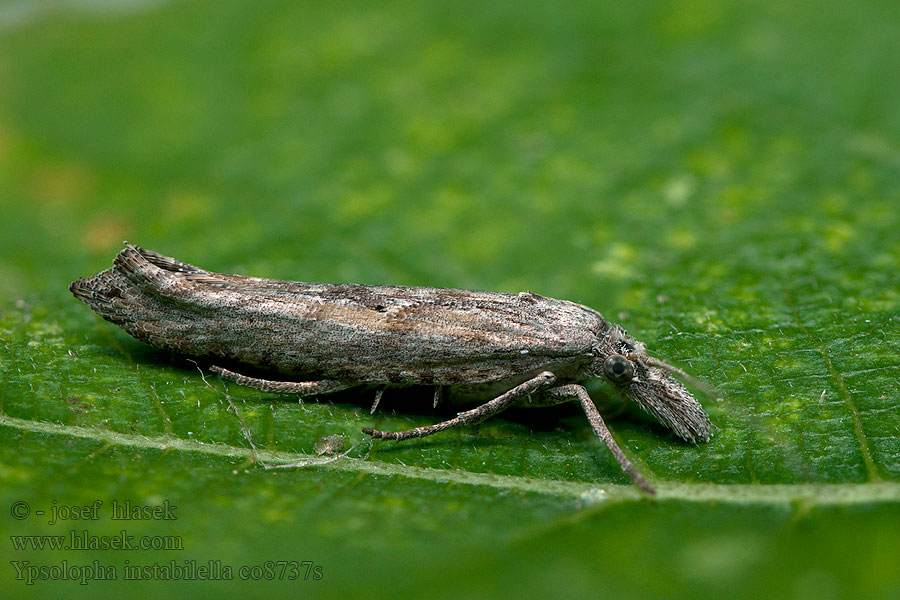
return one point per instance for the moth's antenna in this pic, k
(706, 388)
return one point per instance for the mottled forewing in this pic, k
(354, 333)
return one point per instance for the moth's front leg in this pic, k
(474, 416)
(567, 392)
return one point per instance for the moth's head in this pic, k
(649, 382)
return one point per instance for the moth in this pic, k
(499, 349)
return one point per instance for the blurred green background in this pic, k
(722, 178)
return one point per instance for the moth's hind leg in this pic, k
(567, 392)
(303, 388)
(474, 416)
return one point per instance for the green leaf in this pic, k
(719, 178)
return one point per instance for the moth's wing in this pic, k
(392, 334)
(166, 263)
(366, 333)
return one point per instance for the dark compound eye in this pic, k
(618, 369)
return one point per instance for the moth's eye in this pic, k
(618, 369)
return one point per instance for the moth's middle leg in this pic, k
(474, 416)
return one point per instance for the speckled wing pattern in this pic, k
(347, 332)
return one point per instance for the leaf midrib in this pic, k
(586, 493)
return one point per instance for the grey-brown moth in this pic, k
(501, 349)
